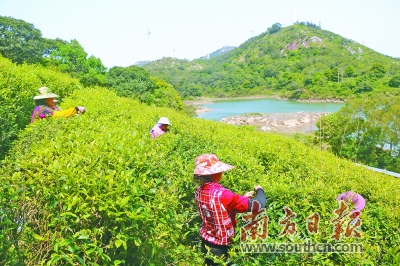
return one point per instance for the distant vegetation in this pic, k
(219, 52)
(21, 42)
(366, 130)
(298, 62)
(136, 82)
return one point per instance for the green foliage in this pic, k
(135, 82)
(377, 70)
(274, 28)
(395, 81)
(282, 60)
(132, 81)
(309, 24)
(96, 190)
(166, 96)
(20, 41)
(350, 71)
(18, 86)
(71, 58)
(366, 130)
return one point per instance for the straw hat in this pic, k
(44, 94)
(208, 164)
(164, 121)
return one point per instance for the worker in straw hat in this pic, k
(45, 106)
(46, 98)
(218, 206)
(160, 127)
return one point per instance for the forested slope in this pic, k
(298, 61)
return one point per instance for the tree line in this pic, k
(365, 130)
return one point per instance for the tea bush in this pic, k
(18, 85)
(96, 190)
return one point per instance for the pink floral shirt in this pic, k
(156, 131)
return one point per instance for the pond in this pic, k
(227, 108)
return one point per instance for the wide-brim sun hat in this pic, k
(208, 164)
(164, 121)
(44, 94)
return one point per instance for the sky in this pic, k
(117, 31)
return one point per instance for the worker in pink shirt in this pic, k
(218, 205)
(160, 127)
(353, 199)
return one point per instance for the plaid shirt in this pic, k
(218, 207)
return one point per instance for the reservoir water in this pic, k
(226, 108)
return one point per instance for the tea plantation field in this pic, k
(95, 189)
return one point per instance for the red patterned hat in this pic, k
(208, 164)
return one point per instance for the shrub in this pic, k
(18, 86)
(96, 190)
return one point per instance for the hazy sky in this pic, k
(116, 31)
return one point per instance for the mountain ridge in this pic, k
(284, 60)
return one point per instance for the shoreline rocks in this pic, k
(289, 123)
(299, 122)
(202, 110)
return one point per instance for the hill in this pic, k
(219, 52)
(298, 61)
(141, 63)
(96, 190)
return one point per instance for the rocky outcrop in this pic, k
(315, 39)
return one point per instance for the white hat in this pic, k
(164, 121)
